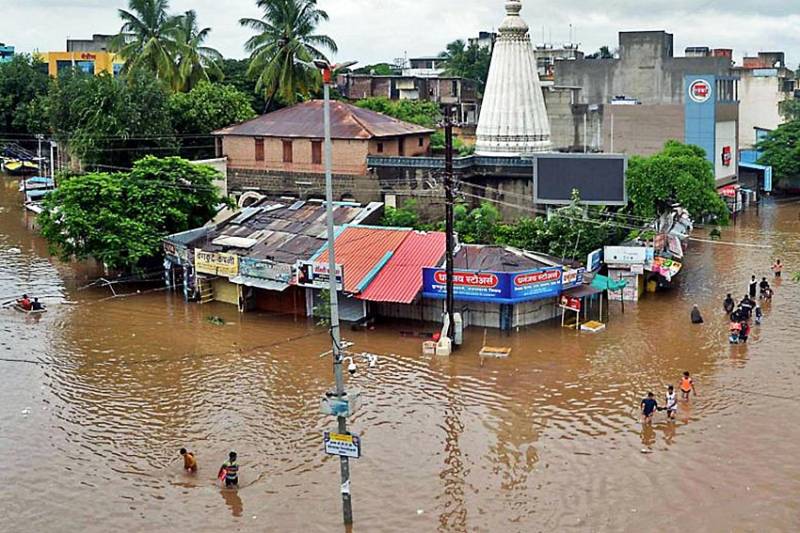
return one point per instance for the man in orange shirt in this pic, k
(189, 461)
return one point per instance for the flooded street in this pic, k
(98, 395)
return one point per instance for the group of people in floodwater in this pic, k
(228, 472)
(740, 316)
(29, 305)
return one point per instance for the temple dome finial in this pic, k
(513, 118)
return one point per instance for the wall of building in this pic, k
(349, 156)
(641, 129)
(304, 185)
(760, 97)
(103, 61)
(645, 70)
(220, 164)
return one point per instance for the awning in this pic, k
(604, 283)
(265, 284)
(729, 191)
(582, 291)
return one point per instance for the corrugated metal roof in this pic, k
(305, 120)
(360, 250)
(401, 279)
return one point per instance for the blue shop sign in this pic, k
(494, 287)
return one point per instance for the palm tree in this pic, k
(148, 39)
(284, 45)
(196, 62)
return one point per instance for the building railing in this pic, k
(459, 163)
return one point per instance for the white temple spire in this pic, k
(513, 118)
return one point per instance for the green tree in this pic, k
(283, 47)
(604, 53)
(477, 226)
(421, 112)
(680, 173)
(790, 109)
(402, 217)
(120, 219)
(106, 121)
(378, 69)
(467, 61)
(781, 150)
(22, 80)
(197, 62)
(207, 107)
(235, 73)
(149, 39)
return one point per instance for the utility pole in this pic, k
(449, 200)
(344, 463)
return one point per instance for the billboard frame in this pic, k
(556, 155)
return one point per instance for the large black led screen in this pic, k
(599, 178)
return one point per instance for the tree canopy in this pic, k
(283, 47)
(781, 150)
(106, 121)
(421, 112)
(207, 107)
(121, 218)
(21, 80)
(468, 61)
(679, 173)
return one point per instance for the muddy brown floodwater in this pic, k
(97, 396)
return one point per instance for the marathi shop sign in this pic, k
(494, 287)
(217, 263)
(700, 91)
(572, 278)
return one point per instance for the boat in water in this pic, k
(21, 309)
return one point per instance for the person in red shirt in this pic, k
(25, 302)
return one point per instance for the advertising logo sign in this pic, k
(317, 275)
(572, 278)
(700, 91)
(594, 259)
(568, 302)
(727, 156)
(496, 287)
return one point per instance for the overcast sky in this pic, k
(381, 30)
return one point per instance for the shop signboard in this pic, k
(494, 287)
(625, 255)
(217, 263)
(572, 278)
(570, 302)
(264, 269)
(317, 275)
(177, 253)
(594, 260)
(342, 444)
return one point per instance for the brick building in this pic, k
(281, 153)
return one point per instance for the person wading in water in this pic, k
(230, 471)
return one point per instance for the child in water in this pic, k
(687, 386)
(759, 314)
(672, 402)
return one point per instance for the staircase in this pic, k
(206, 290)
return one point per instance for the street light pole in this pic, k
(347, 506)
(449, 201)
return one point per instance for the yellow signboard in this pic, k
(219, 264)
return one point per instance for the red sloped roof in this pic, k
(360, 250)
(401, 279)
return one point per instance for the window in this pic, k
(380, 148)
(421, 142)
(218, 145)
(401, 147)
(316, 152)
(287, 151)
(259, 149)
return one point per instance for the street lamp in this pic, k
(327, 74)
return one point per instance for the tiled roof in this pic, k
(305, 120)
(401, 279)
(362, 252)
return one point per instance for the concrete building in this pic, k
(764, 83)
(424, 66)
(637, 101)
(485, 39)
(513, 116)
(281, 153)
(6, 53)
(88, 55)
(548, 54)
(454, 92)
